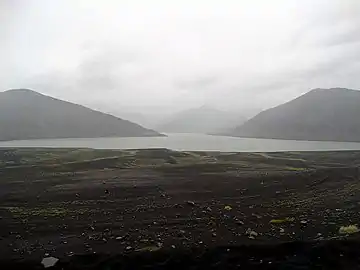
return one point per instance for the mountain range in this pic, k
(26, 114)
(319, 115)
(204, 120)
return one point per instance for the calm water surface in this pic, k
(189, 142)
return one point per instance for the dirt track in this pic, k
(65, 202)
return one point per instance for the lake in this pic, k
(189, 142)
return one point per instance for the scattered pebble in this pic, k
(49, 261)
(191, 203)
(240, 223)
(251, 234)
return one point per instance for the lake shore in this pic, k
(63, 202)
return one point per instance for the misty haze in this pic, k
(156, 128)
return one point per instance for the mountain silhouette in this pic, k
(26, 114)
(319, 115)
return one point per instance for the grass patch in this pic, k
(295, 169)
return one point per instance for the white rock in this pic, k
(49, 261)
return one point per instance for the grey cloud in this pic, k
(228, 54)
(197, 83)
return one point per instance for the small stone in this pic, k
(49, 261)
(191, 203)
(128, 248)
(282, 230)
(173, 246)
(251, 234)
(214, 234)
(303, 222)
(240, 223)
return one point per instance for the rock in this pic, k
(282, 230)
(251, 234)
(303, 222)
(49, 261)
(191, 203)
(228, 208)
(240, 223)
(214, 234)
(173, 246)
(119, 238)
(128, 248)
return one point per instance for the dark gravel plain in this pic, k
(162, 209)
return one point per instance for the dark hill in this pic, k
(320, 115)
(26, 114)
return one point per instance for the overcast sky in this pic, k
(174, 54)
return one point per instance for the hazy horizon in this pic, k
(158, 58)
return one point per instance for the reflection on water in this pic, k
(189, 142)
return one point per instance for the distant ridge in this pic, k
(204, 120)
(26, 114)
(319, 115)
